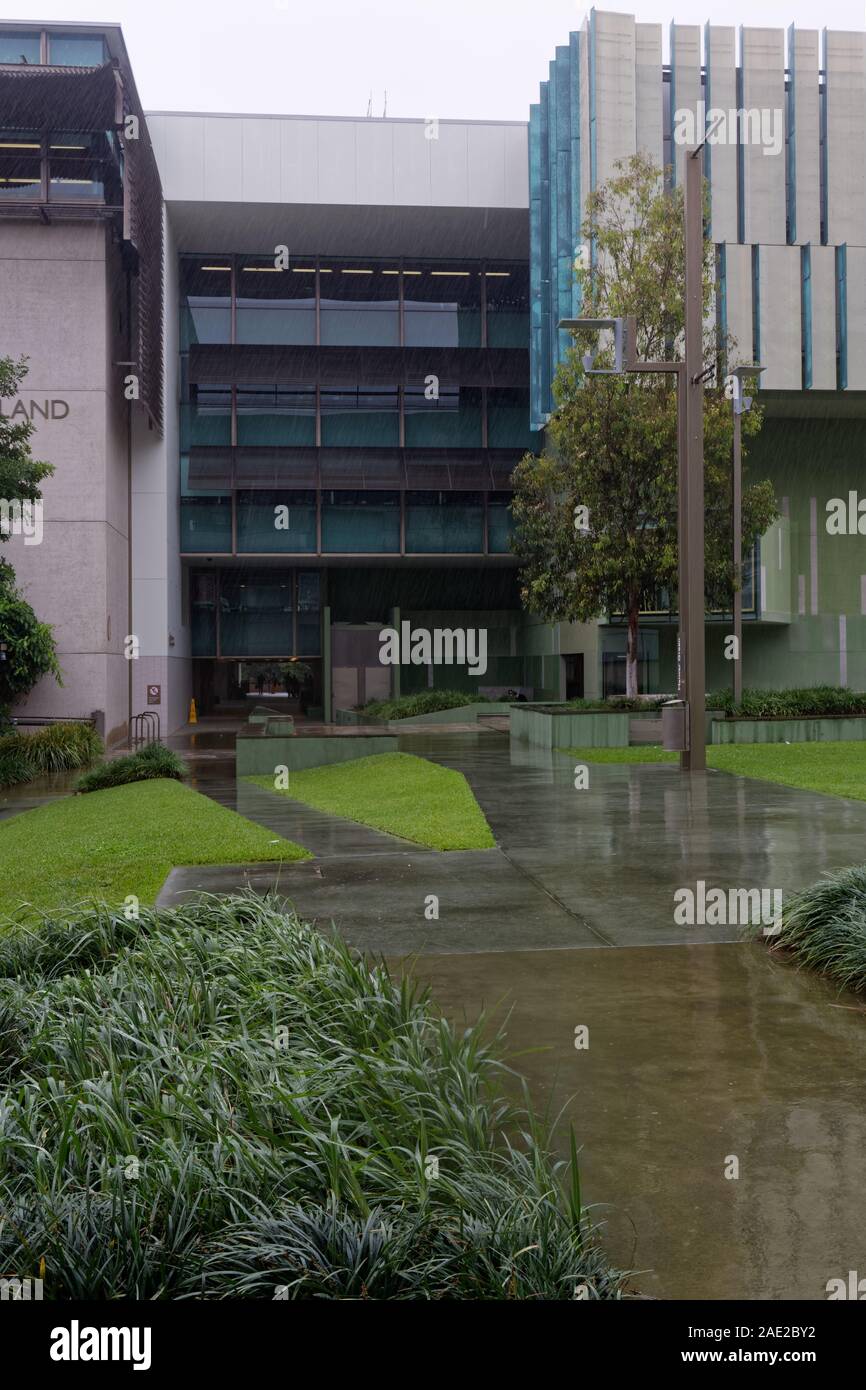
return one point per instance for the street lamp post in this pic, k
(741, 404)
(691, 375)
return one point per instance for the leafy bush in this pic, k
(225, 1102)
(153, 761)
(56, 748)
(30, 649)
(424, 702)
(797, 703)
(824, 927)
(618, 704)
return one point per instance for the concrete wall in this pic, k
(63, 307)
(160, 617)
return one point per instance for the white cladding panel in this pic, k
(738, 295)
(856, 276)
(649, 130)
(846, 147)
(807, 136)
(823, 275)
(614, 91)
(686, 89)
(722, 156)
(779, 271)
(762, 58)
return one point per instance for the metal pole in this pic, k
(695, 758)
(738, 555)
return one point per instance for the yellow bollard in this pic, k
(193, 717)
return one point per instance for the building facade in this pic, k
(284, 366)
(783, 113)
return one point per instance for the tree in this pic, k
(20, 473)
(27, 650)
(596, 513)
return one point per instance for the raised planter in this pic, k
(460, 714)
(835, 729)
(552, 727)
(259, 755)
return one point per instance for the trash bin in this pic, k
(675, 726)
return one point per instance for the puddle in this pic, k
(697, 1056)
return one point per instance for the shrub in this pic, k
(30, 648)
(824, 927)
(56, 748)
(797, 703)
(153, 761)
(424, 702)
(646, 704)
(279, 1117)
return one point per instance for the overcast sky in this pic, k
(478, 59)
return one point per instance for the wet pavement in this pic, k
(705, 1053)
(696, 1056)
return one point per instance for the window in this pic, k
(20, 48)
(360, 305)
(500, 523)
(442, 305)
(206, 419)
(309, 613)
(444, 523)
(508, 419)
(76, 50)
(453, 420)
(275, 305)
(361, 523)
(83, 167)
(206, 525)
(277, 522)
(20, 165)
(205, 298)
(256, 617)
(507, 293)
(361, 415)
(276, 415)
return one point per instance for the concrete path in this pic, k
(589, 868)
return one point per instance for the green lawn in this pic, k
(397, 792)
(838, 769)
(122, 841)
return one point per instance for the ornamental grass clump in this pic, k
(824, 927)
(153, 761)
(56, 748)
(217, 1101)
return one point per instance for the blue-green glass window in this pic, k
(276, 415)
(507, 293)
(256, 617)
(444, 523)
(83, 168)
(206, 418)
(500, 522)
(275, 305)
(276, 522)
(309, 613)
(442, 305)
(361, 523)
(361, 415)
(452, 420)
(19, 48)
(360, 305)
(205, 300)
(203, 606)
(76, 50)
(508, 419)
(20, 165)
(206, 524)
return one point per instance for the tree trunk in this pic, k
(631, 650)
